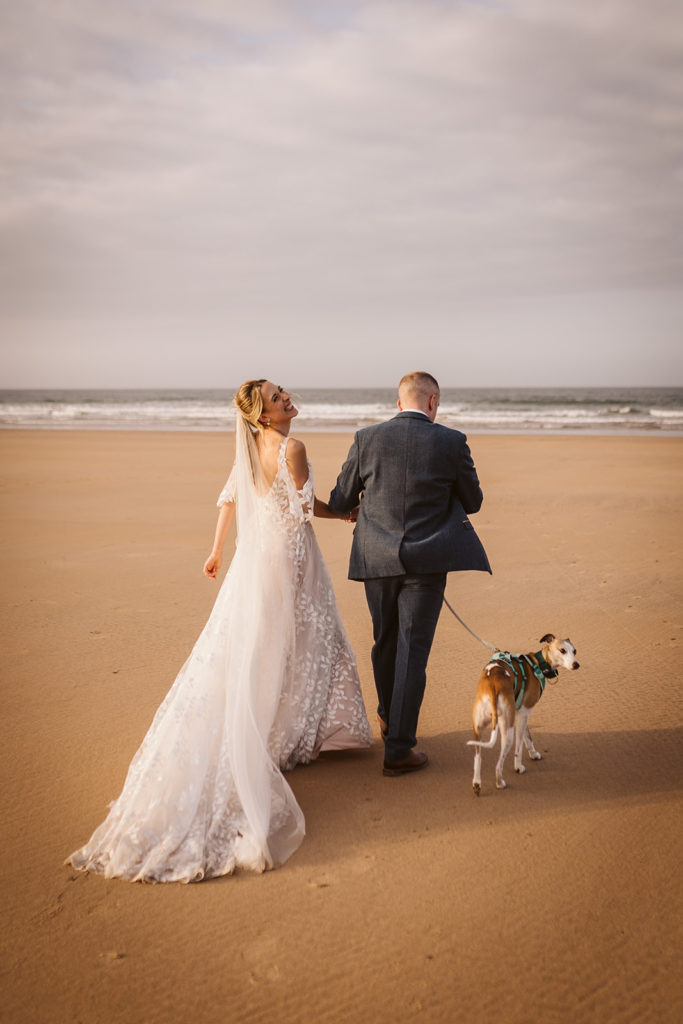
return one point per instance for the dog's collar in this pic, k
(548, 671)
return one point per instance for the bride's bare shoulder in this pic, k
(297, 460)
(296, 450)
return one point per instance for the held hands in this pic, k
(323, 511)
(212, 565)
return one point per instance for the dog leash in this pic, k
(491, 647)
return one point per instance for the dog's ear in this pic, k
(547, 639)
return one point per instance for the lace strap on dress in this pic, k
(282, 454)
(300, 499)
(307, 494)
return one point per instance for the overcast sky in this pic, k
(199, 191)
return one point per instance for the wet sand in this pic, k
(558, 900)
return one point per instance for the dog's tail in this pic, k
(491, 742)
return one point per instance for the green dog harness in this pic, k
(516, 662)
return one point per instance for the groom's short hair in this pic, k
(419, 383)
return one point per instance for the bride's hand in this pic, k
(211, 566)
(352, 516)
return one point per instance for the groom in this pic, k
(417, 482)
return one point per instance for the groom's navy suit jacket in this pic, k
(418, 483)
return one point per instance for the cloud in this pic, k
(271, 161)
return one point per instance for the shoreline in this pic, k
(502, 410)
(334, 431)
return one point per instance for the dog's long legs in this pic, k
(476, 778)
(523, 738)
(521, 726)
(482, 715)
(507, 735)
(529, 743)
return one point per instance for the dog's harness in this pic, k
(540, 667)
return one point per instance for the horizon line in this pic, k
(335, 387)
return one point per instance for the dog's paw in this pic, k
(501, 784)
(520, 770)
(477, 788)
(535, 756)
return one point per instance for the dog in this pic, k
(509, 687)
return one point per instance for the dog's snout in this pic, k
(575, 665)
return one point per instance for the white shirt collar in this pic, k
(421, 412)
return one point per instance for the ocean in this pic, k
(344, 410)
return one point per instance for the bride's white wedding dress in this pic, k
(270, 683)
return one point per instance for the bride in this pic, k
(270, 683)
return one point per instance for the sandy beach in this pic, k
(558, 900)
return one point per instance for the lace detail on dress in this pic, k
(321, 706)
(188, 808)
(228, 492)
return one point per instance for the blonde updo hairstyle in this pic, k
(249, 402)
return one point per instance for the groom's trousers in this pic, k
(405, 611)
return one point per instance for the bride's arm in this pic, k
(225, 518)
(297, 463)
(323, 511)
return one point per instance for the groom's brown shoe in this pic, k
(412, 763)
